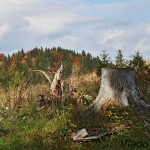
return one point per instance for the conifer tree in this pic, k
(104, 62)
(105, 59)
(119, 59)
(137, 62)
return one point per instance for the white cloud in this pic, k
(75, 25)
(4, 29)
(110, 35)
(52, 23)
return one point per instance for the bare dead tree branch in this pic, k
(56, 85)
(57, 76)
(47, 77)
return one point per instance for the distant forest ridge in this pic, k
(19, 66)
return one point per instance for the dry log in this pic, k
(79, 135)
(95, 137)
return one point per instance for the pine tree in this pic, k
(29, 61)
(137, 62)
(4, 77)
(104, 61)
(119, 59)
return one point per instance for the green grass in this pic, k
(51, 129)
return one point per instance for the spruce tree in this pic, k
(137, 62)
(119, 59)
(104, 61)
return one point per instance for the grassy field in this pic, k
(52, 128)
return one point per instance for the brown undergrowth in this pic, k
(51, 128)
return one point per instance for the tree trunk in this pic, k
(57, 84)
(56, 89)
(57, 81)
(118, 87)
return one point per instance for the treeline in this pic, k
(19, 67)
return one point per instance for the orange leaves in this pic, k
(77, 61)
(2, 56)
(56, 65)
(34, 60)
(1, 64)
(60, 57)
(54, 53)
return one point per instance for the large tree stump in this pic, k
(118, 87)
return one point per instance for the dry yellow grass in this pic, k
(83, 79)
(148, 64)
(24, 94)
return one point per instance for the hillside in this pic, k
(52, 128)
(20, 65)
(25, 125)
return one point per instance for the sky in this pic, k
(90, 25)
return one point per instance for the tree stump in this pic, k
(118, 87)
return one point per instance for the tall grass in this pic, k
(51, 128)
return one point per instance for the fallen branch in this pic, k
(81, 135)
(95, 137)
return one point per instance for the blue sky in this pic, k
(90, 25)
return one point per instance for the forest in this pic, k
(32, 118)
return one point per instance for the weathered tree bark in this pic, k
(56, 84)
(57, 81)
(118, 87)
(54, 96)
(46, 76)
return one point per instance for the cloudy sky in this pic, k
(90, 25)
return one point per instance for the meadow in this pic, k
(23, 126)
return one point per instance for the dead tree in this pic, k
(118, 87)
(57, 84)
(56, 87)
(57, 80)
(45, 75)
